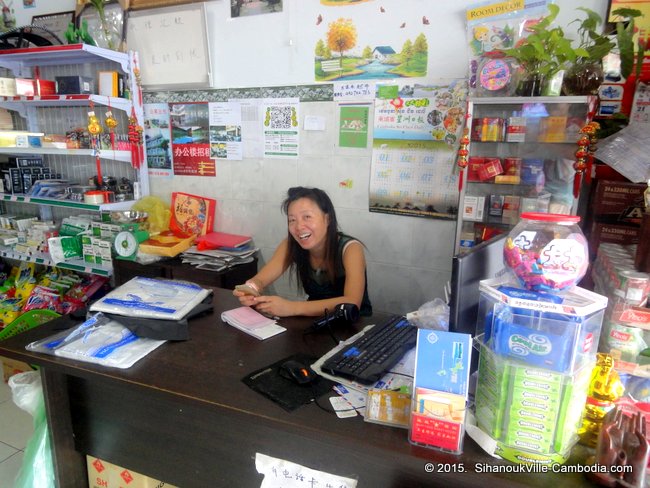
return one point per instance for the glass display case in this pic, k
(521, 156)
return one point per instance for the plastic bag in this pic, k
(158, 212)
(431, 315)
(37, 468)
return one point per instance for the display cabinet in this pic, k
(521, 156)
(59, 114)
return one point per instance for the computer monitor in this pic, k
(482, 262)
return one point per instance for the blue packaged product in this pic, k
(534, 338)
(537, 296)
(532, 171)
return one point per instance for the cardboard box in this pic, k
(45, 87)
(619, 234)
(192, 215)
(473, 208)
(7, 87)
(490, 169)
(25, 87)
(111, 83)
(74, 85)
(618, 202)
(11, 367)
(102, 474)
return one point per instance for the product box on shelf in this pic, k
(474, 164)
(473, 208)
(73, 85)
(626, 335)
(25, 87)
(7, 87)
(532, 414)
(511, 204)
(557, 332)
(516, 129)
(110, 83)
(45, 87)
(532, 171)
(618, 202)
(602, 233)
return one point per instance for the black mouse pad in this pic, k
(283, 391)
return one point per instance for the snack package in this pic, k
(492, 27)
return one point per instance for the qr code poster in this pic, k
(280, 125)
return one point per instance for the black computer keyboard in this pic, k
(372, 355)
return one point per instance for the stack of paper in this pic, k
(252, 322)
(152, 298)
(217, 259)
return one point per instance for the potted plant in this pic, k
(542, 55)
(586, 74)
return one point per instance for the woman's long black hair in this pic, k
(297, 257)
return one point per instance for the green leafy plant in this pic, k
(625, 29)
(546, 50)
(594, 45)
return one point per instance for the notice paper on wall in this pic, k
(225, 130)
(280, 127)
(279, 473)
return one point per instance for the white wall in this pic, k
(409, 259)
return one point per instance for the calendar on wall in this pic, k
(416, 133)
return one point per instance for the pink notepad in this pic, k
(252, 322)
(248, 317)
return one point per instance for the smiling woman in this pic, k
(330, 266)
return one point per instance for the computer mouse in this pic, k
(298, 372)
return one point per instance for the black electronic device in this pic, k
(372, 354)
(481, 262)
(297, 371)
(343, 313)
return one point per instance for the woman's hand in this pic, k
(273, 306)
(244, 298)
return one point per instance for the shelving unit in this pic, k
(521, 158)
(57, 114)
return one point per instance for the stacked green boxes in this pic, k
(533, 408)
(533, 413)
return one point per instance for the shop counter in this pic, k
(183, 415)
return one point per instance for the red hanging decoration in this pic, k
(463, 154)
(135, 138)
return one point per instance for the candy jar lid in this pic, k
(550, 217)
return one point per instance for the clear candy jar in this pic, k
(547, 252)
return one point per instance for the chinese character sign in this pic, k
(190, 139)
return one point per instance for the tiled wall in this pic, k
(409, 258)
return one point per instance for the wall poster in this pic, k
(157, 138)
(190, 139)
(415, 142)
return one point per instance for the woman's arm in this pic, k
(354, 263)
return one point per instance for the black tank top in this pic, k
(319, 287)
